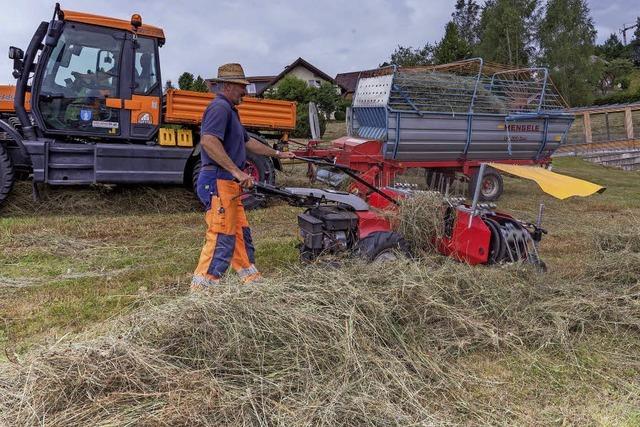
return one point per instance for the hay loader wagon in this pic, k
(447, 120)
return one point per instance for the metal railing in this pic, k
(472, 87)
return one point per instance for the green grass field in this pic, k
(80, 257)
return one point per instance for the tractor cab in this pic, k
(97, 77)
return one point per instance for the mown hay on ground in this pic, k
(361, 345)
(420, 219)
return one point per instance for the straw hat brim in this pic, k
(236, 81)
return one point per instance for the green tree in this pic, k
(410, 57)
(612, 48)
(185, 81)
(567, 37)
(326, 98)
(507, 30)
(466, 17)
(452, 47)
(614, 73)
(634, 46)
(290, 88)
(199, 85)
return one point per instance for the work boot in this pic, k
(252, 279)
(202, 285)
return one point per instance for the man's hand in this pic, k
(245, 180)
(286, 155)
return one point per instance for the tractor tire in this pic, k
(492, 185)
(260, 167)
(383, 246)
(195, 172)
(7, 177)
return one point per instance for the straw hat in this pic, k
(231, 73)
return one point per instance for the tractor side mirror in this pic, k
(16, 54)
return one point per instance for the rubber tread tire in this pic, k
(496, 255)
(250, 202)
(499, 183)
(266, 170)
(377, 242)
(7, 177)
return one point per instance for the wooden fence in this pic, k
(607, 127)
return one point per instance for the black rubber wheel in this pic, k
(195, 172)
(382, 246)
(260, 167)
(497, 245)
(7, 176)
(492, 185)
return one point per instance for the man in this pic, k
(223, 142)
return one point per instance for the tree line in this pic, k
(558, 34)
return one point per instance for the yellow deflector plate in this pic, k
(555, 184)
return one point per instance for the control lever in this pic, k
(262, 189)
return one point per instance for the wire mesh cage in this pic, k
(462, 87)
(466, 108)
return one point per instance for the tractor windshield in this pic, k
(81, 71)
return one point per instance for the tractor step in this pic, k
(69, 182)
(70, 164)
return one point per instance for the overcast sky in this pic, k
(264, 36)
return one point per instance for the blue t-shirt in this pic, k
(221, 120)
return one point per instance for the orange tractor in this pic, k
(88, 107)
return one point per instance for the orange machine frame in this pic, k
(121, 24)
(187, 107)
(7, 94)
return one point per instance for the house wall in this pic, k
(304, 74)
(260, 86)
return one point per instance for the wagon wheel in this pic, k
(491, 188)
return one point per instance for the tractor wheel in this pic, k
(7, 176)
(259, 167)
(383, 246)
(195, 172)
(491, 188)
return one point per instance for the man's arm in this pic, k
(257, 147)
(213, 147)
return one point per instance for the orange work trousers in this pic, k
(228, 240)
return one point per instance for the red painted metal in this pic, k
(365, 157)
(370, 222)
(251, 169)
(468, 244)
(375, 200)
